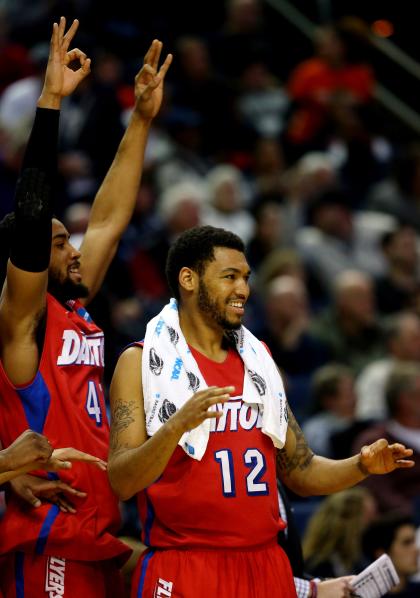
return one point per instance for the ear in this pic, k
(187, 279)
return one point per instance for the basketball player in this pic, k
(52, 352)
(205, 465)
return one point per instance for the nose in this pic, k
(75, 253)
(242, 288)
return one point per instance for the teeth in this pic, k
(236, 304)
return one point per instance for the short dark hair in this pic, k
(380, 534)
(7, 226)
(401, 379)
(195, 249)
(325, 382)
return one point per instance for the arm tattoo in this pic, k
(122, 417)
(300, 457)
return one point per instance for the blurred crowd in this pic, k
(302, 166)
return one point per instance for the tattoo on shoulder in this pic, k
(301, 455)
(122, 417)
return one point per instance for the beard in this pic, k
(207, 305)
(64, 290)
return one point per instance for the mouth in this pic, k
(74, 272)
(238, 307)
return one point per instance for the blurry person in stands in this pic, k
(398, 287)
(402, 342)
(179, 208)
(333, 403)
(338, 73)
(228, 196)
(395, 534)
(349, 327)
(332, 544)
(401, 489)
(268, 232)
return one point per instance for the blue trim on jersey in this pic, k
(19, 578)
(143, 573)
(150, 517)
(45, 529)
(84, 314)
(35, 400)
(51, 475)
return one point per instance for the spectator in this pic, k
(398, 287)
(401, 490)
(395, 535)
(349, 327)
(402, 340)
(338, 73)
(228, 195)
(268, 232)
(333, 406)
(332, 541)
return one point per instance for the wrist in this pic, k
(361, 467)
(4, 461)
(314, 588)
(49, 100)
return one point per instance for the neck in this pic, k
(206, 337)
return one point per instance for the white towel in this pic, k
(171, 376)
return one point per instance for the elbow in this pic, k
(120, 488)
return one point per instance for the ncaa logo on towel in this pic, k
(163, 588)
(155, 362)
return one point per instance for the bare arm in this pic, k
(136, 461)
(308, 474)
(24, 295)
(114, 203)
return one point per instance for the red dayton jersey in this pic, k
(229, 498)
(65, 402)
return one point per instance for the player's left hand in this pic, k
(63, 457)
(381, 457)
(148, 87)
(34, 491)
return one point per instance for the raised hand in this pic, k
(148, 87)
(381, 457)
(60, 79)
(34, 491)
(197, 408)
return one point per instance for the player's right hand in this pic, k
(28, 448)
(197, 408)
(34, 490)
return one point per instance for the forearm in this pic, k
(133, 469)
(115, 200)
(34, 199)
(326, 476)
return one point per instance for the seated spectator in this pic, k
(287, 334)
(179, 208)
(331, 243)
(228, 195)
(333, 402)
(349, 327)
(402, 341)
(268, 233)
(332, 541)
(401, 489)
(395, 535)
(339, 72)
(398, 287)
(399, 194)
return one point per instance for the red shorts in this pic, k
(41, 576)
(260, 573)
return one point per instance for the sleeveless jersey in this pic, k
(229, 498)
(64, 401)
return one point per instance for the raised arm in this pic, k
(24, 294)
(136, 461)
(114, 203)
(308, 474)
